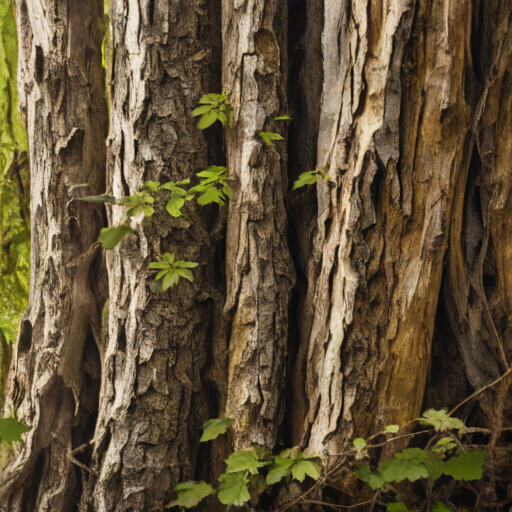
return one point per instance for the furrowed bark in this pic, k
(478, 285)
(153, 401)
(55, 377)
(392, 129)
(258, 267)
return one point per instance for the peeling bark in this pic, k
(258, 266)
(152, 400)
(55, 374)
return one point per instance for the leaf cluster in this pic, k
(214, 107)
(446, 456)
(248, 472)
(171, 270)
(309, 178)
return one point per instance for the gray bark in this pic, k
(55, 372)
(325, 313)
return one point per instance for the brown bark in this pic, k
(56, 358)
(319, 317)
(153, 400)
(258, 266)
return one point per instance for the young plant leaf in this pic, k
(110, 237)
(243, 461)
(233, 489)
(214, 428)
(207, 120)
(283, 467)
(372, 478)
(269, 137)
(466, 466)
(284, 117)
(11, 430)
(303, 468)
(391, 429)
(439, 506)
(441, 421)
(190, 494)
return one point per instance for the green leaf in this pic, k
(243, 461)
(444, 444)
(391, 429)
(207, 120)
(157, 265)
(199, 111)
(441, 421)
(398, 470)
(303, 468)
(372, 478)
(282, 469)
(170, 279)
(233, 489)
(359, 443)
(306, 178)
(439, 506)
(110, 237)
(284, 117)
(466, 466)
(11, 430)
(187, 264)
(214, 428)
(161, 274)
(399, 506)
(222, 117)
(187, 274)
(211, 195)
(269, 137)
(168, 257)
(175, 205)
(190, 494)
(154, 186)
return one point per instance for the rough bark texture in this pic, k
(327, 312)
(258, 266)
(152, 401)
(56, 367)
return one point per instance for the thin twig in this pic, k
(324, 504)
(476, 393)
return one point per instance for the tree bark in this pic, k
(56, 366)
(316, 315)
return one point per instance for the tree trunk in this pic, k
(316, 315)
(56, 369)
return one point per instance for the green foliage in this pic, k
(466, 466)
(190, 494)
(110, 237)
(214, 428)
(309, 178)
(14, 185)
(139, 205)
(233, 489)
(248, 472)
(214, 107)
(11, 430)
(360, 446)
(439, 506)
(213, 187)
(441, 421)
(412, 464)
(171, 270)
(399, 506)
(284, 117)
(269, 137)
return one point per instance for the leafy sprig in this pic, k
(214, 107)
(171, 270)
